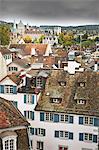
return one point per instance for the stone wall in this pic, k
(22, 139)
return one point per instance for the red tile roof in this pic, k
(4, 122)
(10, 116)
(26, 48)
(40, 48)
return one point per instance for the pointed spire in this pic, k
(14, 26)
(27, 26)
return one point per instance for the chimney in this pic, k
(59, 63)
(33, 52)
(95, 66)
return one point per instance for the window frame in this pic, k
(88, 137)
(40, 145)
(63, 147)
(8, 89)
(49, 116)
(9, 138)
(39, 82)
(28, 114)
(40, 131)
(88, 120)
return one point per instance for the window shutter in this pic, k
(44, 82)
(56, 118)
(1, 88)
(15, 104)
(24, 98)
(41, 116)
(44, 132)
(96, 122)
(32, 99)
(14, 90)
(32, 131)
(70, 119)
(35, 131)
(95, 138)
(71, 135)
(56, 133)
(81, 137)
(81, 120)
(1, 145)
(25, 113)
(32, 115)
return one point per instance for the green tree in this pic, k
(88, 43)
(4, 34)
(66, 39)
(28, 39)
(40, 40)
(85, 36)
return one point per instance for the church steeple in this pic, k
(27, 26)
(14, 26)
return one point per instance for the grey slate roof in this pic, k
(71, 92)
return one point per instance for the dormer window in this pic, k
(81, 84)
(80, 101)
(62, 83)
(55, 100)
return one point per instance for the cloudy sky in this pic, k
(58, 12)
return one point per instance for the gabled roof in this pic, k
(4, 50)
(39, 48)
(70, 92)
(13, 77)
(26, 48)
(24, 63)
(10, 116)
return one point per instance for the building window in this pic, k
(40, 145)
(65, 135)
(8, 89)
(62, 83)
(88, 120)
(40, 131)
(80, 101)
(61, 147)
(29, 115)
(39, 82)
(48, 116)
(13, 69)
(81, 84)
(31, 131)
(56, 117)
(9, 143)
(66, 118)
(88, 137)
(29, 99)
(31, 144)
(62, 118)
(55, 100)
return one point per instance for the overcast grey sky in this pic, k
(61, 12)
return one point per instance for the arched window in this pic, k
(9, 140)
(9, 143)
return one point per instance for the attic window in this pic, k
(62, 83)
(81, 84)
(80, 101)
(55, 100)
